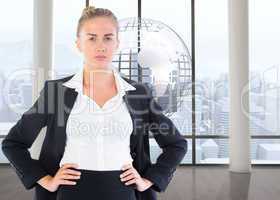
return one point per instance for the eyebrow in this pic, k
(108, 34)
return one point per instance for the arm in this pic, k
(172, 143)
(21, 136)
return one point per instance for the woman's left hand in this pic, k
(131, 176)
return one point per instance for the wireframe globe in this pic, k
(151, 52)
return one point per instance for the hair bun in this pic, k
(90, 12)
(89, 9)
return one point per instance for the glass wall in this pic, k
(212, 151)
(171, 23)
(211, 71)
(15, 62)
(264, 80)
(66, 57)
(169, 34)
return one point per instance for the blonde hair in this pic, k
(90, 12)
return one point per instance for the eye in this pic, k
(108, 38)
(92, 38)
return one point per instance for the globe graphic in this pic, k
(151, 52)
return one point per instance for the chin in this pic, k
(99, 65)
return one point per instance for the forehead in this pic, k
(99, 26)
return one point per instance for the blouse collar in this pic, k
(76, 82)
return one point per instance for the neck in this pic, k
(97, 76)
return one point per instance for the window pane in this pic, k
(212, 100)
(155, 151)
(3, 158)
(212, 151)
(119, 8)
(177, 15)
(168, 42)
(265, 151)
(264, 67)
(16, 60)
(66, 56)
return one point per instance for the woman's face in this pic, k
(98, 42)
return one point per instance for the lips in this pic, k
(100, 57)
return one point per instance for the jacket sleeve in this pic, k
(21, 136)
(174, 147)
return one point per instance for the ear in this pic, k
(78, 44)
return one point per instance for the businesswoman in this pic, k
(97, 142)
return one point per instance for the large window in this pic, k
(174, 16)
(66, 56)
(211, 122)
(264, 81)
(212, 97)
(15, 60)
(212, 87)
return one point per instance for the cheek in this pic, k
(87, 49)
(112, 49)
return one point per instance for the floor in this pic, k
(189, 183)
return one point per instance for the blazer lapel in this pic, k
(66, 99)
(133, 106)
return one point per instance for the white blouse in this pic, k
(98, 138)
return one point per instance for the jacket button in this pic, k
(133, 154)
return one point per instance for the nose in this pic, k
(100, 47)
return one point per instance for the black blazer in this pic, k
(52, 109)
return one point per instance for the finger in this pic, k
(66, 182)
(69, 177)
(71, 171)
(134, 174)
(127, 178)
(68, 165)
(127, 166)
(130, 182)
(127, 172)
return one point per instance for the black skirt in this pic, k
(97, 185)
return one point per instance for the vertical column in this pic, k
(239, 136)
(42, 52)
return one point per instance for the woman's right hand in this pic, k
(61, 177)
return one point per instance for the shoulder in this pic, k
(51, 85)
(141, 88)
(60, 80)
(55, 82)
